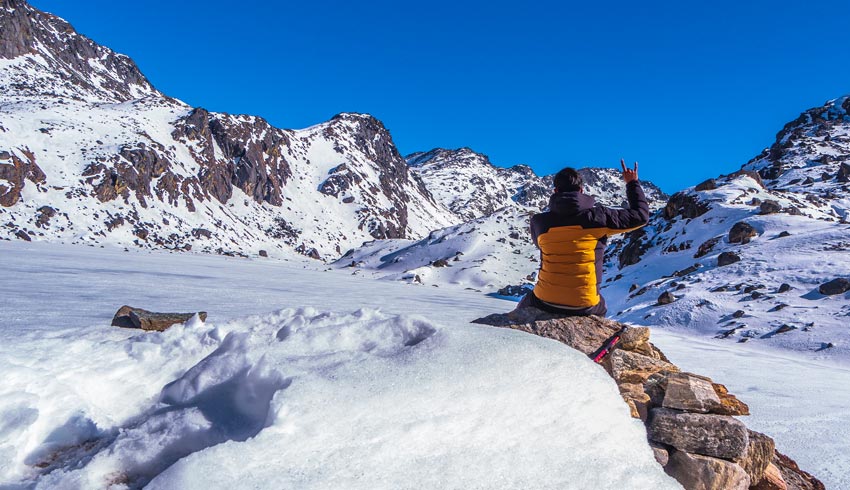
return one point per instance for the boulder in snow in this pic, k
(741, 232)
(769, 206)
(129, 317)
(727, 258)
(836, 286)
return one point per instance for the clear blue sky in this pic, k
(689, 89)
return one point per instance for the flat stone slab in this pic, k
(720, 436)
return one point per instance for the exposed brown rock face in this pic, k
(687, 206)
(13, 177)
(689, 418)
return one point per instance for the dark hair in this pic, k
(568, 180)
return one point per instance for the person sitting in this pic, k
(572, 237)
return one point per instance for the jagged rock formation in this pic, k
(690, 420)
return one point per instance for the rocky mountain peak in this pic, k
(49, 58)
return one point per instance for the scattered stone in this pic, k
(440, 263)
(779, 307)
(707, 246)
(720, 436)
(129, 317)
(201, 232)
(756, 294)
(843, 173)
(784, 288)
(697, 472)
(752, 287)
(783, 234)
(741, 232)
(687, 270)
(769, 206)
(633, 287)
(690, 393)
(666, 298)
(263, 253)
(727, 258)
(23, 235)
(739, 314)
(44, 215)
(836, 286)
(784, 329)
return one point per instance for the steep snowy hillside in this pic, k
(745, 256)
(91, 152)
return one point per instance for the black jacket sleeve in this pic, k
(534, 229)
(635, 216)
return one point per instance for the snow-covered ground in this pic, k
(336, 381)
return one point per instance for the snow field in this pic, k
(313, 399)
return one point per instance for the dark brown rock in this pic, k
(129, 317)
(836, 286)
(741, 232)
(23, 235)
(769, 206)
(687, 206)
(22, 169)
(666, 298)
(263, 253)
(784, 288)
(727, 258)
(696, 472)
(720, 436)
(706, 185)
(707, 246)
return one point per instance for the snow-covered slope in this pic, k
(90, 152)
(795, 197)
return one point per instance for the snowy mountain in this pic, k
(91, 152)
(493, 249)
(471, 187)
(745, 255)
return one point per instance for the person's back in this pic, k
(572, 237)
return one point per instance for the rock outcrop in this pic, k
(690, 419)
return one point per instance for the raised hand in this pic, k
(629, 175)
